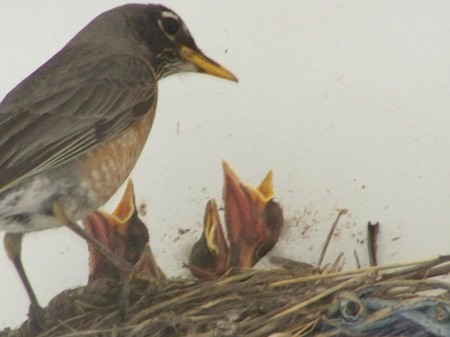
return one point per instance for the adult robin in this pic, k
(72, 131)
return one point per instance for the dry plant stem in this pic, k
(305, 329)
(417, 270)
(358, 263)
(416, 265)
(421, 284)
(330, 234)
(372, 236)
(202, 291)
(337, 264)
(245, 305)
(295, 308)
(330, 291)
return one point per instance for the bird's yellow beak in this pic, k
(215, 239)
(121, 216)
(209, 255)
(206, 65)
(266, 187)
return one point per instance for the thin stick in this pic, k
(330, 234)
(416, 264)
(323, 294)
(358, 263)
(338, 263)
(372, 235)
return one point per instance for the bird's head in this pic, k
(167, 39)
(253, 219)
(209, 255)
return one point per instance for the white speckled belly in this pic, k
(28, 206)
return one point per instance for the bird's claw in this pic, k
(36, 317)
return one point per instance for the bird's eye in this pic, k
(170, 25)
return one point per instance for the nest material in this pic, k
(396, 300)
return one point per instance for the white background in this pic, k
(347, 101)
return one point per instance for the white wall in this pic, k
(347, 101)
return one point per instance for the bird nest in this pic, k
(232, 299)
(394, 300)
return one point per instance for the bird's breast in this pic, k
(104, 168)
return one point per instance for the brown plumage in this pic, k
(72, 131)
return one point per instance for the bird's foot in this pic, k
(36, 317)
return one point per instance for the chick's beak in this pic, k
(209, 254)
(205, 65)
(124, 210)
(245, 213)
(215, 239)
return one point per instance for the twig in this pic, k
(415, 264)
(358, 263)
(372, 236)
(330, 234)
(330, 291)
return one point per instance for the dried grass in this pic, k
(392, 300)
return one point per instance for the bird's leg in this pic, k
(13, 247)
(125, 268)
(102, 249)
